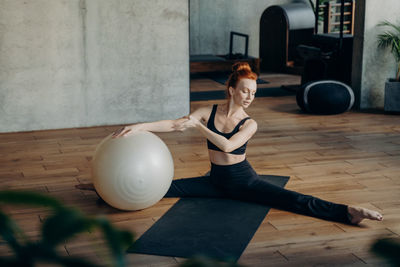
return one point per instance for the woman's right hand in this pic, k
(126, 131)
(178, 125)
(185, 123)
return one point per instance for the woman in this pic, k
(228, 128)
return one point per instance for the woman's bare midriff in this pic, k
(222, 158)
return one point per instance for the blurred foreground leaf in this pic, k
(388, 248)
(62, 224)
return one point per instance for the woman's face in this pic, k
(244, 92)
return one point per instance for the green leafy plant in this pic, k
(63, 224)
(391, 38)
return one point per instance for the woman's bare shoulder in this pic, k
(202, 112)
(250, 123)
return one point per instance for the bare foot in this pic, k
(89, 187)
(357, 214)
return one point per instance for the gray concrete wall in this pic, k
(75, 63)
(211, 22)
(372, 66)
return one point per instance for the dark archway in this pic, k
(282, 29)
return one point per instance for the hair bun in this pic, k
(240, 66)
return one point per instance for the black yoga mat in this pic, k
(217, 228)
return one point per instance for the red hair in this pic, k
(240, 70)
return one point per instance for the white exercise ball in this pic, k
(132, 172)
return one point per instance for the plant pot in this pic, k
(392, 96)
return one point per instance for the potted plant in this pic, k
(391, 38)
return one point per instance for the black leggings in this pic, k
(239, 181)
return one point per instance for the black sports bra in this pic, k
(210, 125)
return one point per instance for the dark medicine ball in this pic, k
(325, 97)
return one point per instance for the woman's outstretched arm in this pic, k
(157, 126)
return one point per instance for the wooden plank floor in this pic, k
(202, 83)
(350, 158)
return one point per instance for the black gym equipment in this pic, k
(325, 97)
(282, 29)
(204, 63)
(330, 54)
(290, 43)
